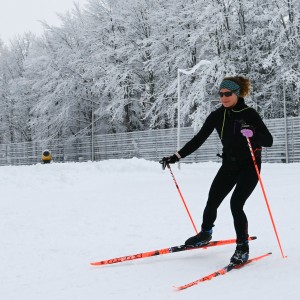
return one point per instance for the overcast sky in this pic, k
(19, 16)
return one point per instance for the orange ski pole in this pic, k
(182, 198)
(265, 196)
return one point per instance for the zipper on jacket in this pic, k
(224, 117)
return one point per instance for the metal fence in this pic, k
(150, 144)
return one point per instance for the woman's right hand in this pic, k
(168, 160)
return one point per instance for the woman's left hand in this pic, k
(247, 130)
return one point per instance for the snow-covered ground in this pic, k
(57, 218)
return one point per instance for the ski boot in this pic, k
(200, 239)
(241, 254)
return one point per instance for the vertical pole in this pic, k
(285, 125)
(92, 157)
(178, 112)
(187, 72)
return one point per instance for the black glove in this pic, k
(168, 160)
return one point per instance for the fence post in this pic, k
(285, 126)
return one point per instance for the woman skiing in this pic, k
(234, 121)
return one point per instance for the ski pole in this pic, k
(182, 198)
(265, 196)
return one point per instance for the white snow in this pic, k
(57, 218)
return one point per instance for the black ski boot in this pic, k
(241, 254)
(202, 238)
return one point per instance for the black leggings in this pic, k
(244, 178)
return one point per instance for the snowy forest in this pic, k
(114, 63)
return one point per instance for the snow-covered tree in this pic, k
(115, 63)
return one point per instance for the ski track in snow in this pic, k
(57, 218)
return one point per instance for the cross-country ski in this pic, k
(222, 271)
(173, 249)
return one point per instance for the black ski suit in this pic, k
(237, 166)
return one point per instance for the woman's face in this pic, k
(228, 98)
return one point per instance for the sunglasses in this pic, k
(226, 94)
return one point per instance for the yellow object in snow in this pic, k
(46, 156)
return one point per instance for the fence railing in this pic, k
(150, 144)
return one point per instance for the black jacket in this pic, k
(227, 122)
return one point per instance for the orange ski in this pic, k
(220, 272)
(164, 251)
